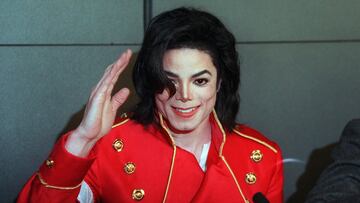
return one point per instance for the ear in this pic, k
(218, 85)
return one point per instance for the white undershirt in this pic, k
(203, 156)
(86, 195)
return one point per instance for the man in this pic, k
(181, 144)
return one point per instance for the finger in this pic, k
(101, 81)
(110, 73)
(120, 65)
(119, 98)
(97, 97)
(118, 68)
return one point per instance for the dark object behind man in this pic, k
(340, 182)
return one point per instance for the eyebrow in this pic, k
(174, 75)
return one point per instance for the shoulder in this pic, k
(132, 133)
(126, 124)
(354, 122)
(122, 121)
(254, 138)
(339, 181)
(128, 138)
(348, 147)
(352, 128)
(123, 128)
(249, 152)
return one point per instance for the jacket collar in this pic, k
(218, 135)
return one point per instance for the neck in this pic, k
(193, 141)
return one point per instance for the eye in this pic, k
(201, 81)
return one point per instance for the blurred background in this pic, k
(300, 73)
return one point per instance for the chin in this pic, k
(185, 125)
(180, 127)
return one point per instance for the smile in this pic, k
(185, 112)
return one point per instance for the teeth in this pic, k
(185, 110)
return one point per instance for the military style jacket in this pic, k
(141, 163)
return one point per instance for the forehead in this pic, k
(187, 60)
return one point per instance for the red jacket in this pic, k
(134, 162)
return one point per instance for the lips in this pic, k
(185, 112)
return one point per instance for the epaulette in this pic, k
(120, 120)
(252, 134)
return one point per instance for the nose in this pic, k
(183, 92)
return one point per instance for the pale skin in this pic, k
(186, 113)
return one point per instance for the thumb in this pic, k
(119, 98)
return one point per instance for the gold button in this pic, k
(49, 163)
(118, 145)
(256, 155)
(138, 194)
(250, 178)
(129, 168)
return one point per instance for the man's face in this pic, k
(194, 76)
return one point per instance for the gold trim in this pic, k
(43, 182)
(172, 159)
(170, 175)
(256, 140)
(167, 130)
(234, 178)
(122, 122)
(222, 131)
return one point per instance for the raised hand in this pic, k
(100, 110)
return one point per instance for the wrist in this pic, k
(78, 145)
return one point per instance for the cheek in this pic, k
(208, 93)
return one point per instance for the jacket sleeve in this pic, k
(275, 192)
(59, 177)
(340, 181)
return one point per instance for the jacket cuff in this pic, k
(63, 169)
